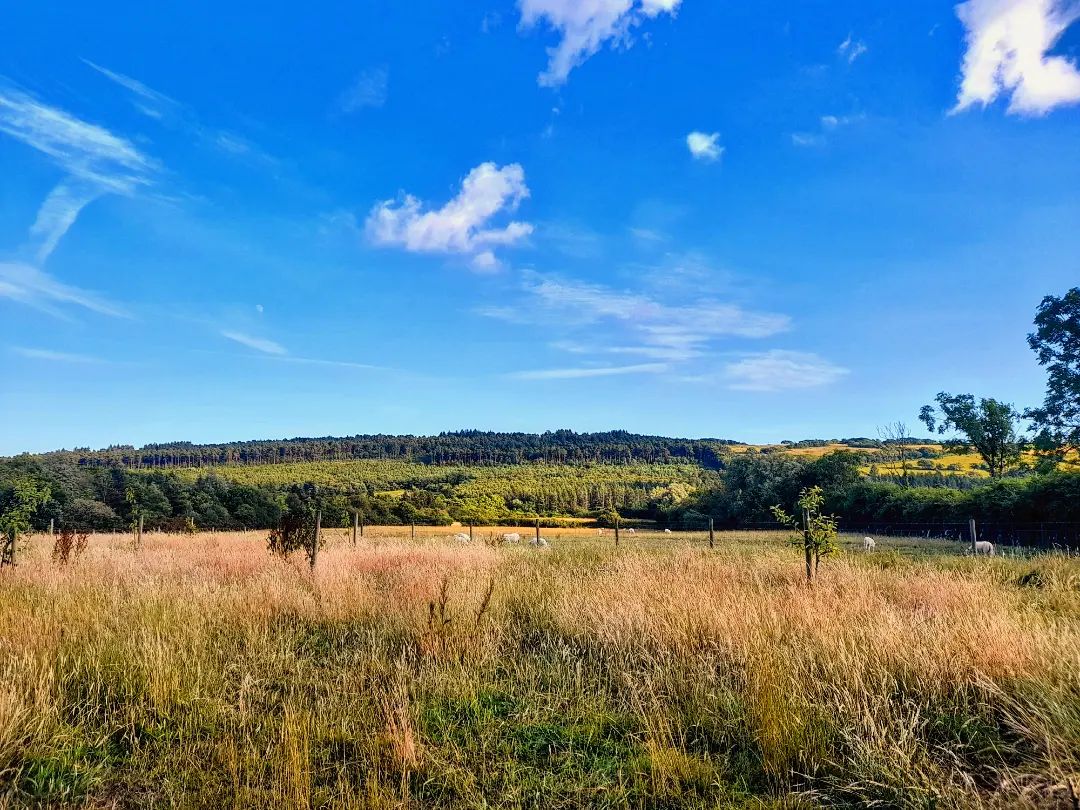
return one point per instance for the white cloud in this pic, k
(147, 100)
(851, 48)
(57, 357)
(780, 370)
(585, 26)
(257, 343)
(704, 146)
(1007, 43)
(369, 90)
(84, 150)
(461, 226)
(96, 160)
(586, 372)
(807, 139)
(29, 285)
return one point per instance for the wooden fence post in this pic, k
(361, 529)
(52, 526)
(412, 531)
(315, 542)
(712, 537)
(138, 534)
(355, 526)
(616, 532)
(538, 531)
(971, 530)
(470, 532)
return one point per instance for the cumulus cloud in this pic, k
(34, 287)
(584, 26)
(704, 146)
(369, 90)
(463, 225)
(780, 370)
(256, 343)
(1007, 45)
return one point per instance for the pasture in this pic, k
(201, 671)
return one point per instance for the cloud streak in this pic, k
(1007, 43)
(258, 344)
(48, 355)
(34, 287)
(588, 372)
(585, 27)
(780, 370)
(369, 90)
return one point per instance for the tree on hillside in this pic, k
(895, 441)
(1056, 340)
(987, 426)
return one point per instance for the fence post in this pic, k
(412, 531)
(712, 537)
(138, 534)
(52, 526)
(355, 526)
(616, 532)
(538, 531)
(470, 532)
(361, 528)
(971, 530)
(315, 543)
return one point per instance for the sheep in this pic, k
(461, 537)
(630, 531)
(600, 532)
(540, 542)
(984, 547)
(667, 531)
(869, 544)
(511, 537)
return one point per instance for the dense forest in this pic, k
(470, 447)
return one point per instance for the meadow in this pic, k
(201, 671)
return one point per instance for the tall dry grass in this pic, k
(201, 671)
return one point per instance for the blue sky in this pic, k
(756, 220)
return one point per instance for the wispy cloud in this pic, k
(370, 89)
(258, 344)
(851, 48)
(96, 162)
(48, 355)
(147, 100)
(780, 370)
(462, 225)
(585, 27)
(827, 125)
(705, 146)
(1007, 45)
(34, 287)
(588, 371)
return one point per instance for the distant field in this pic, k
(202, 672)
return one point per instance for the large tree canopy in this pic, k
(1056, 340)
(988, 426)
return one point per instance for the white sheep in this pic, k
(600, 532)
(540, 542)
(461, 537)
(511, 537)
(667, 531)
(630, 531)
(869, 544)
(984, 547)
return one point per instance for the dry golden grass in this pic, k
(202, 672)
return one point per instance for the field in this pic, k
(200, 672)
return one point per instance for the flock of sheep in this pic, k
(981, 546)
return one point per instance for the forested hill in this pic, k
(471, 447)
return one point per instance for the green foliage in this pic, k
(988, 426)
(17, 508)
(817, 532)
(1056, 340)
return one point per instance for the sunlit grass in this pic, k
(202, 672)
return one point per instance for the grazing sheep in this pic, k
(600, 532)
(540, 542)
(667, 531)
(461, 537)
(869, 544)
(630, 531)
(512, 537)
(984, 547)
